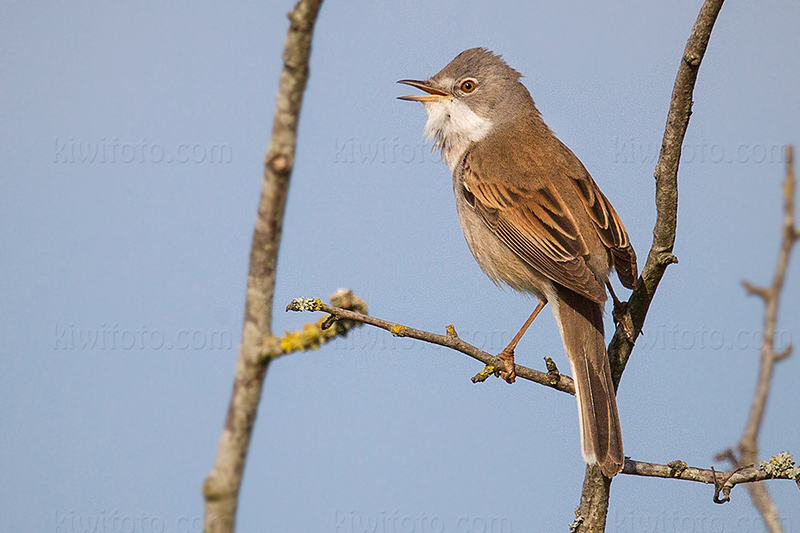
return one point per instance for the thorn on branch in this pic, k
(785, 354)
(754, 290)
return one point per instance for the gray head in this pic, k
(475, 93)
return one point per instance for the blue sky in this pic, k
(133, 137)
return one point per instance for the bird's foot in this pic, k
(509, 374)
(623, 319)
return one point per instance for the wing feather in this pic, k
(537, 225)
(609, 228)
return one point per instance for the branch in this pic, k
(748, 445)
(324, 330)
(779, 467)
(221, 488)
(666, 175)
(591, 513)
(552, 378)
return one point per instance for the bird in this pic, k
(536, 221)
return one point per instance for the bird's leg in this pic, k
(622, 317)
(507, 355)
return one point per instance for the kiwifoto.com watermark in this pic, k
(632, 150)
(117, 522)
(676, 337)
(112, 151)
(660, 337)
(676, 522)
(113, 337)
(397, 522)
(383, 152)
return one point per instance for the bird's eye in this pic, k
(468, 85)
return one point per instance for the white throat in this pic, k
(452, 126)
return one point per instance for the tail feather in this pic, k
(581, 324)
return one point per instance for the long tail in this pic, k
(581, 324)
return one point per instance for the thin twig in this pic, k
(221, 488)
(450, 339)
(591, 513)
(748, 445)
(723, 481)
(666, 175)
(324, 330)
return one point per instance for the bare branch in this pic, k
(324, 330)
(779, 467)
(666, 175)
(748, 445)
(553, 379)
(752, 290)
(591, 514)
(221, 488)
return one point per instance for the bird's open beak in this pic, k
(432, 96)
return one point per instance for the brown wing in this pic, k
(537, 225)
(609, 227)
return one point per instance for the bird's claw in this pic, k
(623, 319)
(509, 374)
